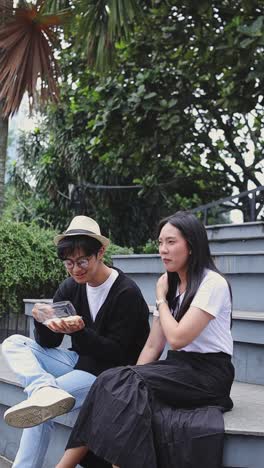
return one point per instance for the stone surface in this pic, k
(4, 463)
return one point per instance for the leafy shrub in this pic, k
(114, 249)
(30, 268)
(151, 247)
(29, 264)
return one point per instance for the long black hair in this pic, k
(200, 257)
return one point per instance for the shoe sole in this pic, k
(33, 415)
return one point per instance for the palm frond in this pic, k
(55, 6)
(103, 23)
(27, 61)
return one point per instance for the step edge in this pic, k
(239, 253)
(253, 316)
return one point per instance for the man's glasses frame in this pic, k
(82, 262)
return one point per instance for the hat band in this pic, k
(80, 231)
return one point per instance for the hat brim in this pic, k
(103, 240)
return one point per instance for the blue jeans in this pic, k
(36, 367)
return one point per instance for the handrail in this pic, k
(250, 214)
(250, 194)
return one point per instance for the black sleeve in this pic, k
(129, 313)
(43, 335)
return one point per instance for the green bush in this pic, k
(114, 249)
(151, 247)
(29, 264)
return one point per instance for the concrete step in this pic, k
(244, 270)
(244, 428)
(248, 335)
(244, 425)
(233, 245)
(11, 393)
(251, 230)
(248, 327)
(236, 237)
(4, 463)
(248, 357)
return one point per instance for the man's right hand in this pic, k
(66, 325)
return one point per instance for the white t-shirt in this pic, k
(97, 295)
(213, 297)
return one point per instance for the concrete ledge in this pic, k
(227, 262)
(247, 315)
(241, 231)
(248, 327)
(240, 262)
(244, 427)
(244, 270)
(246, 417)
(5, 463)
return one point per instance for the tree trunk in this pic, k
(3, 156)
(3, 121)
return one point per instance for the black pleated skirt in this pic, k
(161, 415)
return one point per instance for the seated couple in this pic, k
(134, 416)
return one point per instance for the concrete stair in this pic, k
(5, 463)
(238, 251)
(244, 425)
(236, 237)
(239, 254)
(244, 270)
(12, 393)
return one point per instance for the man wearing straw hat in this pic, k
(110, 329)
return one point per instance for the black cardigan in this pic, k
(118, 333)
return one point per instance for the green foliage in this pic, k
(151, 247)
(114, 249)
(102, 24)
(180, 116)
(30, 267)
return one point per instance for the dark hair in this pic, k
(200, 257)
(70, 244)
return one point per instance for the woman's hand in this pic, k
(162, 287)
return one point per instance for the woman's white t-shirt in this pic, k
(213, 296)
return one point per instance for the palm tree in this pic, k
(28, 38)
(3, 119)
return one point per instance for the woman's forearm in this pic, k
(148, 354)
(168, 323)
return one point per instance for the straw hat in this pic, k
(83, 226)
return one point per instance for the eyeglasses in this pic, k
(81, 263)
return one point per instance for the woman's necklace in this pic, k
(182, 288)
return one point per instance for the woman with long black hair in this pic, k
(131, 416)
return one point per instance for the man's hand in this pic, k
(67, 325)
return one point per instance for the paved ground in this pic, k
(4, 463)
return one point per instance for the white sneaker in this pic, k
(44, 404)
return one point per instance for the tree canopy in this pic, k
(180, 115)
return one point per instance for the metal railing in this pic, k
(251, 206)
(11, 323)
